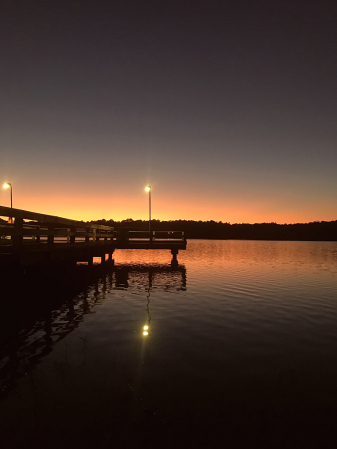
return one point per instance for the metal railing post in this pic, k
(72, 237)
(18, 233)
(51, 233)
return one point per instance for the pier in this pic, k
(30, 238)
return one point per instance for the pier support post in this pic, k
(110, 259)
(174, 253)
(174, 261)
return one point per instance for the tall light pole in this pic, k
(6, 186)
(148, 189)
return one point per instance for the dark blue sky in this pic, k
(228, 109)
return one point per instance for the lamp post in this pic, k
(148, 189)
(6, 186)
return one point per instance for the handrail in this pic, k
(49, 229)
(44, 232)
(126, 234)
(46, 219)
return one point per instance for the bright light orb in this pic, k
(146, 328)
(6, 185)
(147, 188)
(145, 333)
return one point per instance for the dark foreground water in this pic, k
(240, 350)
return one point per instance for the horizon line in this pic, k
(213, 221)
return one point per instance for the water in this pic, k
(241, 350)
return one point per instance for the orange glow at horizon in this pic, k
(79, 199)
(93, 205)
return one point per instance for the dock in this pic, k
(31, 238)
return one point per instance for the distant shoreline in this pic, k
(211, 230)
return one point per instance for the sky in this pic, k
(227, 109)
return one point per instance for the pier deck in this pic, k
(29, 238)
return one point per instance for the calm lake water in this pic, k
(240, 350)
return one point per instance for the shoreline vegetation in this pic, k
(317, 230)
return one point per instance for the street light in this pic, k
(148, 189)
(6, 186)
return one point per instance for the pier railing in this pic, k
(22, 227)
(153, 236)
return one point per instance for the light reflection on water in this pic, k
(240, 334)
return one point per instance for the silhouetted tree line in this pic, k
(318, 230)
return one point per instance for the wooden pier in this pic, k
(30, 238)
